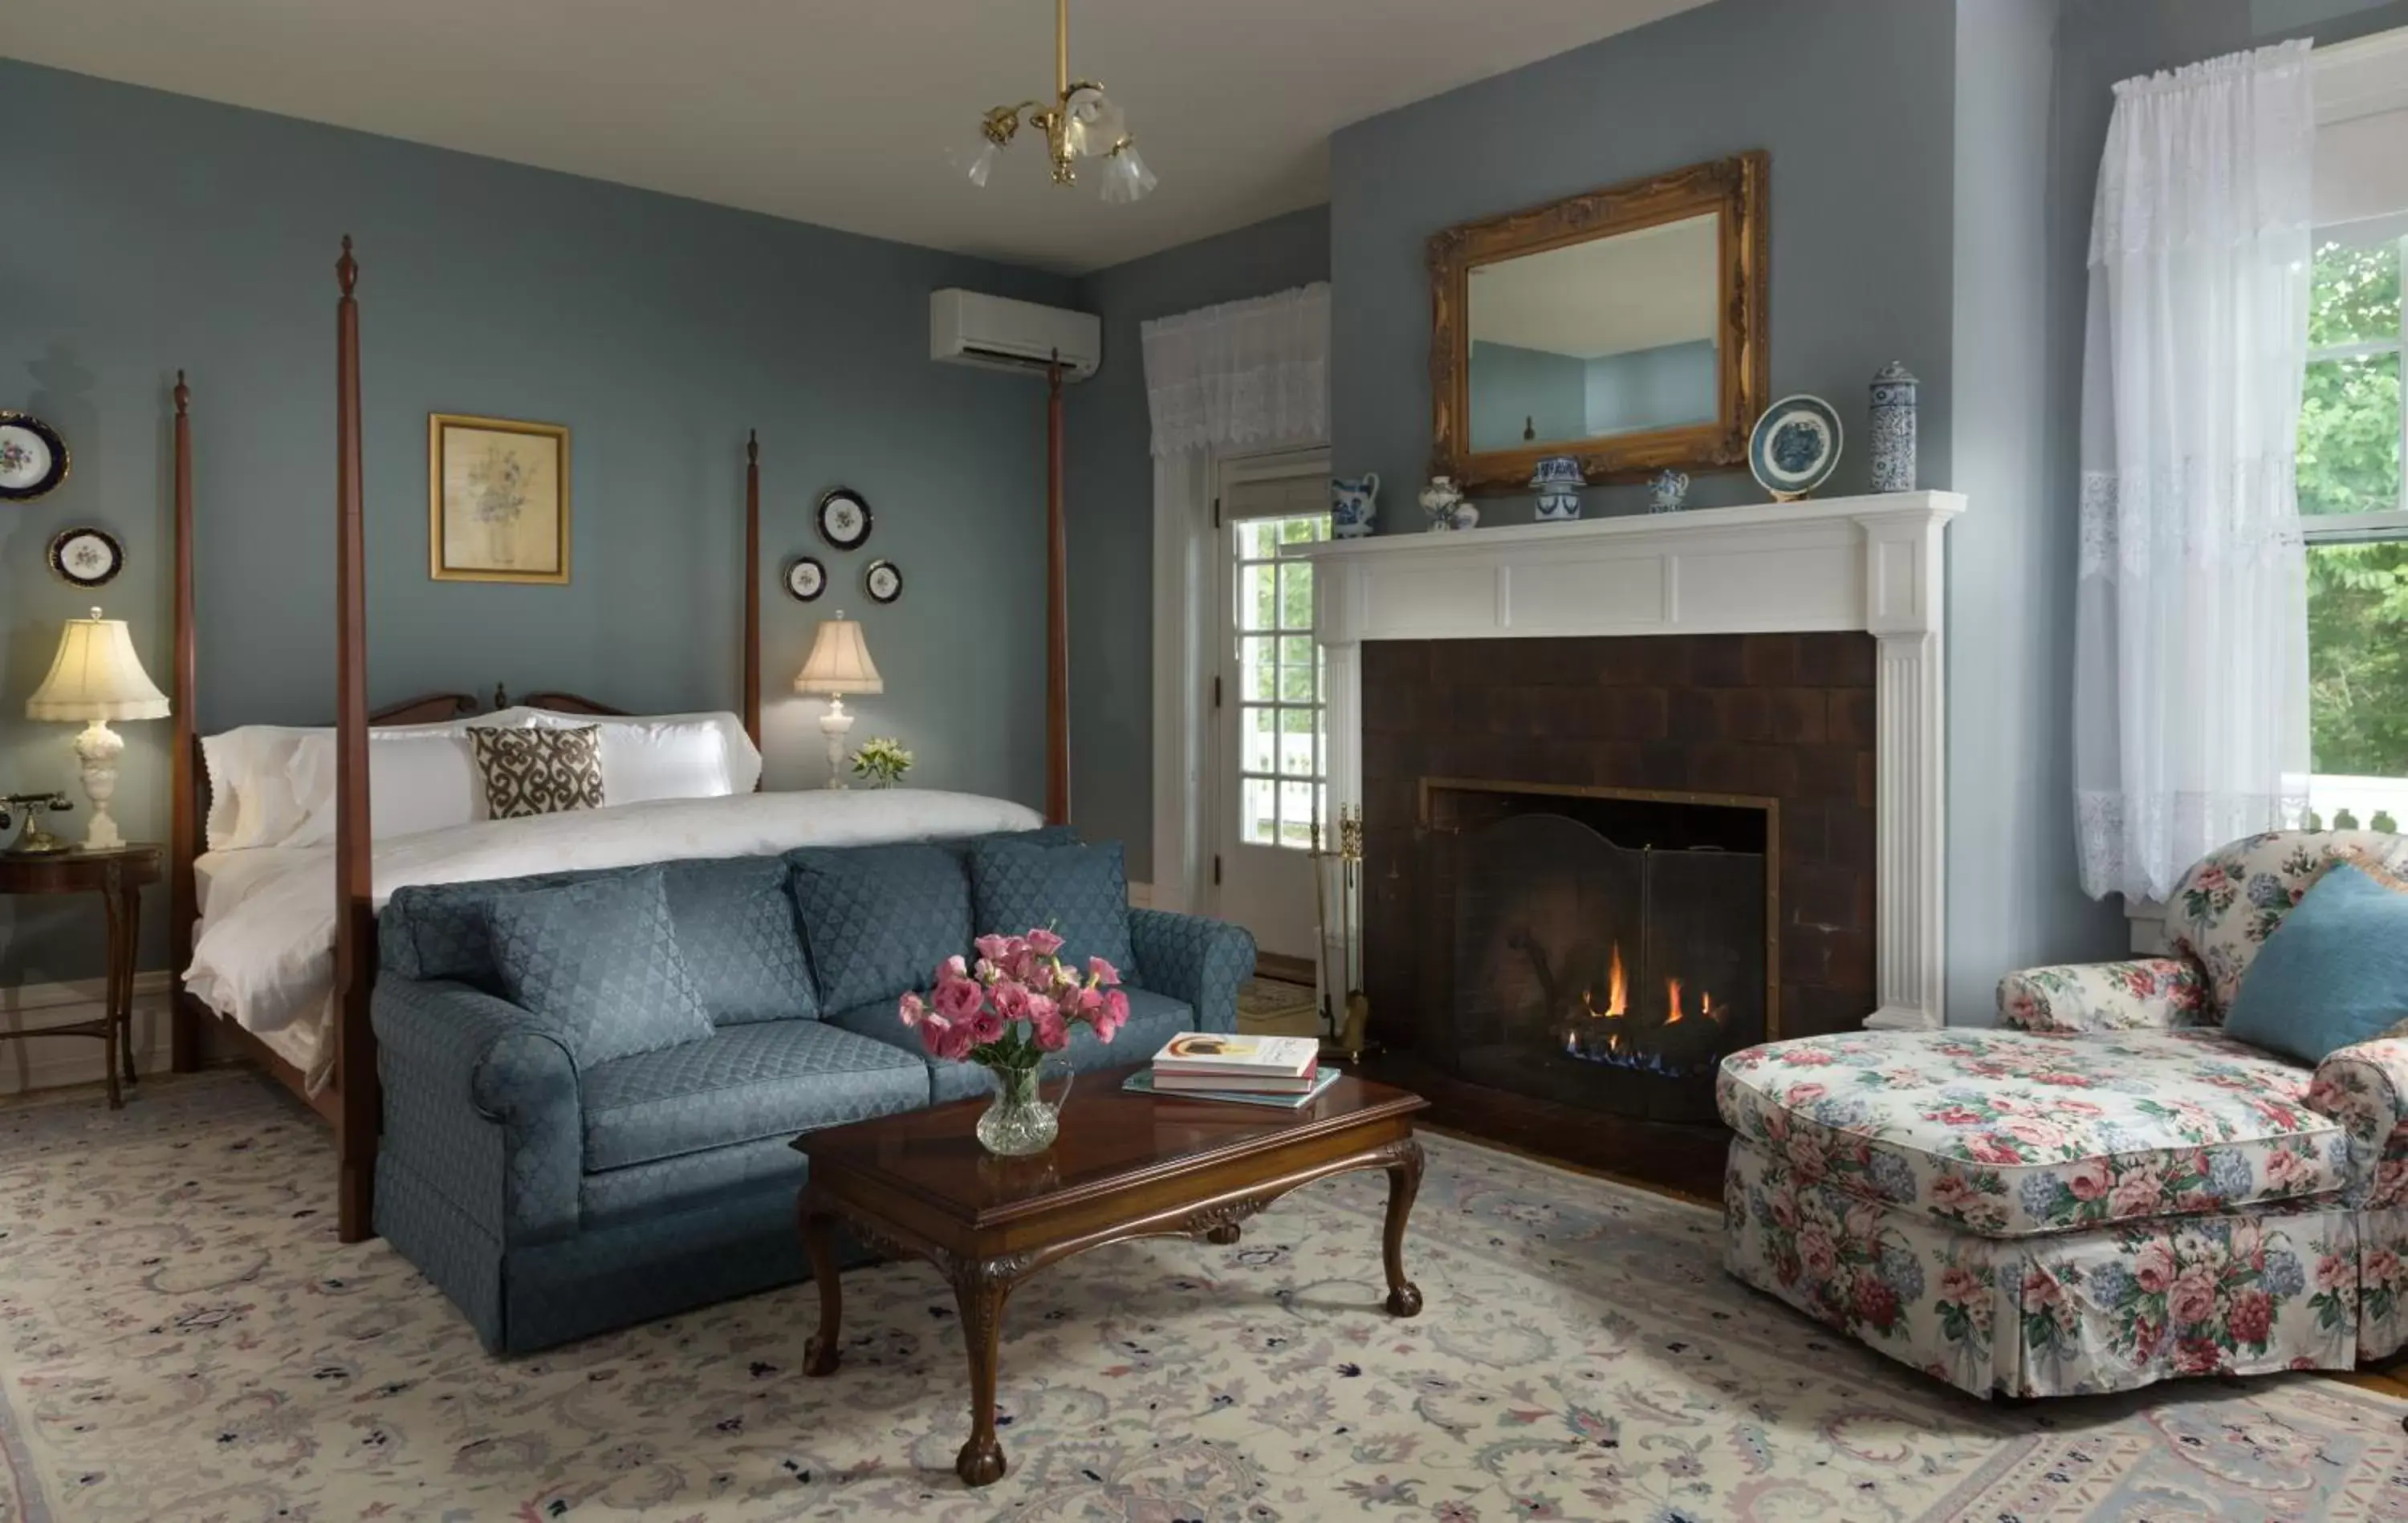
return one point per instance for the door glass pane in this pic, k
(1257, 669)
(1295, 684)
(2355, 296)
(2349, 435)
(1298, 747)
(1295, 816)
(1256, 745)
(1257, 604)
(1295, 650)
(1296, 596)
(1258, 821)
(1258, 538)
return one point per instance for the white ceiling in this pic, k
(1634, 291)
(839, 111)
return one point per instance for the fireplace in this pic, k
(1606, 946)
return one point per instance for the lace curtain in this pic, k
(2191, 635)
(1241, 375)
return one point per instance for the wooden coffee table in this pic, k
(1126, 1166)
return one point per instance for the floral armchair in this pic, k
(2104, 1191)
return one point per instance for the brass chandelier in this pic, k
(1080, 124)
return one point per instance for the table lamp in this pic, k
(97, 678)
(838, 663)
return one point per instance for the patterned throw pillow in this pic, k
(600, 957)
(539, 772)
(1080, 891)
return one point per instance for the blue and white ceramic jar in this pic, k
(1558, 480)
(1894, 427)
(1353, 504)
(1668, 493)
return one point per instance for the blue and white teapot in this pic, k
(1352, 505)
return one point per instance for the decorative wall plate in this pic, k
(844, 519)
(87, 557)
(806, 578)
(881, 581)
(32, 457)
(1796, 446)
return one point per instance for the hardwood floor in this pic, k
(1674, 1158)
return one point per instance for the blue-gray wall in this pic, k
(1109, 497)
(147, 231)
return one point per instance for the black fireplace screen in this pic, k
(1610, 960)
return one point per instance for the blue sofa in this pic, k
(551, 1204)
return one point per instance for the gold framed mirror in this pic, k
(1624, 328)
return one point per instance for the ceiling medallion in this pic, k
(1079, 124)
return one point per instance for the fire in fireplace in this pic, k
(1610, 946)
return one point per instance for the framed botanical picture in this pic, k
(496, 500)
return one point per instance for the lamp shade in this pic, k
(839, 662)
(96, 676)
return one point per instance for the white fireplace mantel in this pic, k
(1869, 563)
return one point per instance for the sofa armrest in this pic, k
(1187, 957)
(2365, 1088)
(2147, 994)
(482, 1103)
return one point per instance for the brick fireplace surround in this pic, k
(1790, 650)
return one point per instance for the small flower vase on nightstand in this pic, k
(1892, 428)
(1353, 504)
(1558, 481)
(1442, 501)
(1668, 493)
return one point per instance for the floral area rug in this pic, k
(181, 1338)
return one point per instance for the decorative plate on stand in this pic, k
(844, 519)
(882, 582)
(806, 578)
(87, 557)
(32, 457)
(1794, 448)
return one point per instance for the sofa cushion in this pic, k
(1154, 1019)
(877, 920)
(1080, 891)
(734, 919)
(740, 1085)
(2004, 1133)
(2334, 972)
(600, 959)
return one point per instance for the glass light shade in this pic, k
(1096, 125)
(973, 157)
(839, 662)
(1125, 177)
(96, 676)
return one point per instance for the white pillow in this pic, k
(251, 798)
(420, 778)
(664, 756)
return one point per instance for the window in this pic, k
(1282, 788)
(2351, 447)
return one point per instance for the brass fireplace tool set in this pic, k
(1343, 1037)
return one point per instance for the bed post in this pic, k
(753, 587)
(183, 829)
(355, 1071)
(1057, 612)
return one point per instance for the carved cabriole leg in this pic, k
(112, 894)
(1404, 1182)
(981, 1286)
(1224, 1235)
(819, 1241)
(124, 1007)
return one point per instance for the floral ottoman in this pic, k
(2033, 1214)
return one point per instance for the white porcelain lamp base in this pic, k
(99, 746)
(833, 724)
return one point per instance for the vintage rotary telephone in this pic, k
(36, 842)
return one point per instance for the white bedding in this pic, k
(264, 952)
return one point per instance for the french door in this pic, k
(1271, 785)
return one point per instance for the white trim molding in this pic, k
(40, 1062)
(1868, 563)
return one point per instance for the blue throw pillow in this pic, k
(600, 958)
(879, 919)
(2334, 972)
(1081, 891)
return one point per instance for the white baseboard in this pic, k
(48, 1062)
(1141, 895)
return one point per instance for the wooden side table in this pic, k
(118, 876)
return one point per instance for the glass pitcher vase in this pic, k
(1021, 1120)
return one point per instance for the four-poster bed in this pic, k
(341, 1083)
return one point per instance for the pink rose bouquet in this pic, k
(1015, 1004)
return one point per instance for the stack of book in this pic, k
(1282, 1071)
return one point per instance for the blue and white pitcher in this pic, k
(1352, 507)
